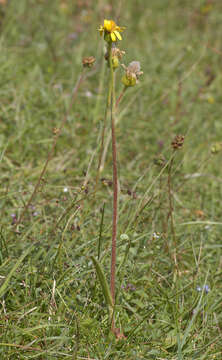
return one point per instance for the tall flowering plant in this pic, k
(111, 33)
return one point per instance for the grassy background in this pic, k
(52, 306)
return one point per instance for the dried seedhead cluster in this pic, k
(177, 142)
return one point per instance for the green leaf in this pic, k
(104, 284)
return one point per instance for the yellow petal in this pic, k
(113, 36)
(119, 37)
(113, 25)
(120, 28)
(107, 25)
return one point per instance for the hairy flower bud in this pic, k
(88, 61)
(216, 148)
(132, 73)
(117, 55)
(129, 80)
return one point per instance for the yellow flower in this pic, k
(111, 31)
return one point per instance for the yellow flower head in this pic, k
(111, 31)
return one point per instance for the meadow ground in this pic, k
(169, 259)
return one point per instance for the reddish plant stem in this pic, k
(115, 208)
(51, 152)
(115, 185)
(121, 96)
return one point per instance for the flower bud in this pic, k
(115, 62)
(216, 148)
(117, 55)
(128, 80)
(132, 73)
(88, 61)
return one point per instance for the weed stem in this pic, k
(121, 96)
(115, 182)
(170, 215)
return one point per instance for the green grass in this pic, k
(52, 304)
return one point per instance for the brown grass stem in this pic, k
(171, 209)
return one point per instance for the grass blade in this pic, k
(3, 288)
(103, 283)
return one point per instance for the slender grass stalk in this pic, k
(102, 144)
(4, 286)
(170, 214)
(108, 139)
(140, 207)
(104, 129)
(103, 148)
(51, 152)
(171, 210)
(100, 91)
(100, 231)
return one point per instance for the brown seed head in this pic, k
(177, 142)
(56, 131)
(88, 61)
